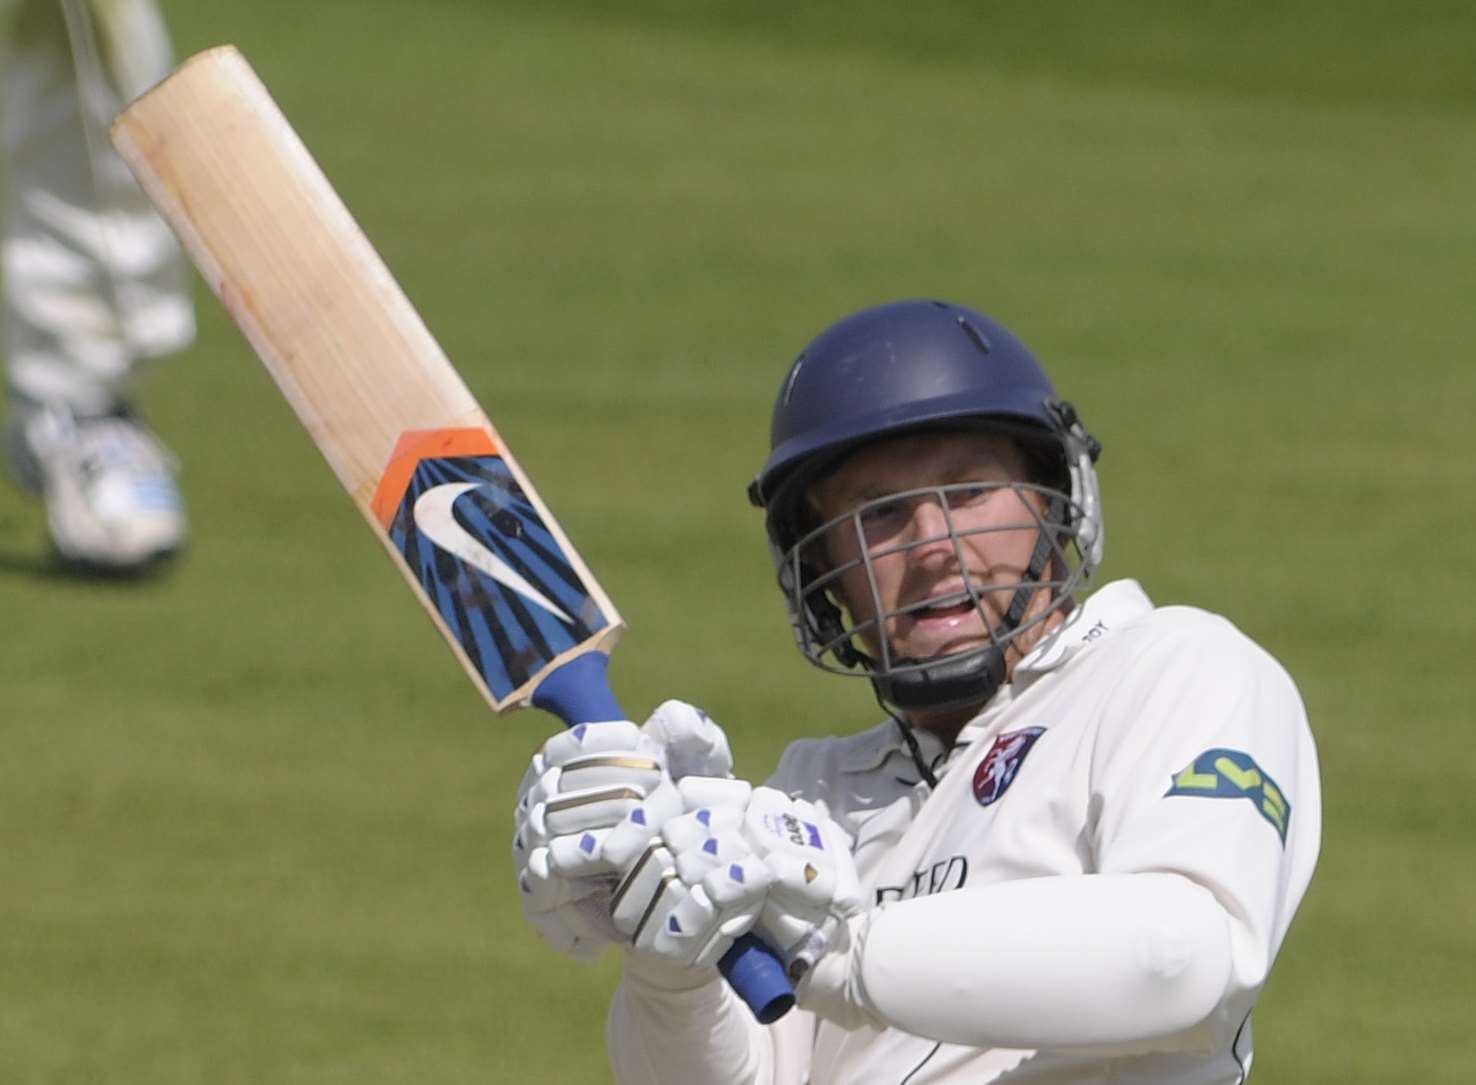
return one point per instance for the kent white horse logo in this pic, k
(1000, 765)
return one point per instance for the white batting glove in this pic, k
(739, 859)
(698, 886)
(597, 791)
(578, 787)
(815, 888)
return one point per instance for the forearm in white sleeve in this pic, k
(670, 1026)
(1130, 961)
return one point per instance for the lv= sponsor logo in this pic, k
(1231, 774)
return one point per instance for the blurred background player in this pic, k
(1068, 854)
(93, 282)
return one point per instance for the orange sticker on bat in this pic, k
(422, 444)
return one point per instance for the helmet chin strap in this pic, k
(945, 683)
(967, 679)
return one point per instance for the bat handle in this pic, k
(579, 692)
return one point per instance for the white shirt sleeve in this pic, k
(700, 1034)
(670, 1026)
(1205, 767)
(1118, 962)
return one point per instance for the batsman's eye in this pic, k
(880, 519)
(971, 495)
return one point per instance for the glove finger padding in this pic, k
(571, 916)
(612, 850)
(591, 758)
(714, 793)
(736, 888)
(695, 861)
(583, 788)
(586, 782)
(619, 847)
(614, 737)
(543, 889)
(694, 744)
(689, 924)
(645, 891)
(689, 895)
(591, 792)
(690, 830)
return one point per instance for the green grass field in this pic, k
(253, 821)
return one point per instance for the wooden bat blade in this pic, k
(378, 396)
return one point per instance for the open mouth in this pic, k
(949, 605)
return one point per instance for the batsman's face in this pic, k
(930, 539)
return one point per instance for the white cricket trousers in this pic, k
(93, 281)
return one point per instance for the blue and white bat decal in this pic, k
(489, 564)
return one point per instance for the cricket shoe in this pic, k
(112, 503)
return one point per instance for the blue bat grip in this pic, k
(579, 692)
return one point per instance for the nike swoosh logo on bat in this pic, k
(437, 523)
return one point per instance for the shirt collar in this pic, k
(868, 750)
(1109, 607)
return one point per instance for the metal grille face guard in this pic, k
(1063, 560)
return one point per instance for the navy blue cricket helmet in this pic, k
(895, 369)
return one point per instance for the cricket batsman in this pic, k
(1069, 851)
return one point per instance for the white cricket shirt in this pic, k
(1142, 765)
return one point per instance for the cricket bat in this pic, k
(434, 480)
